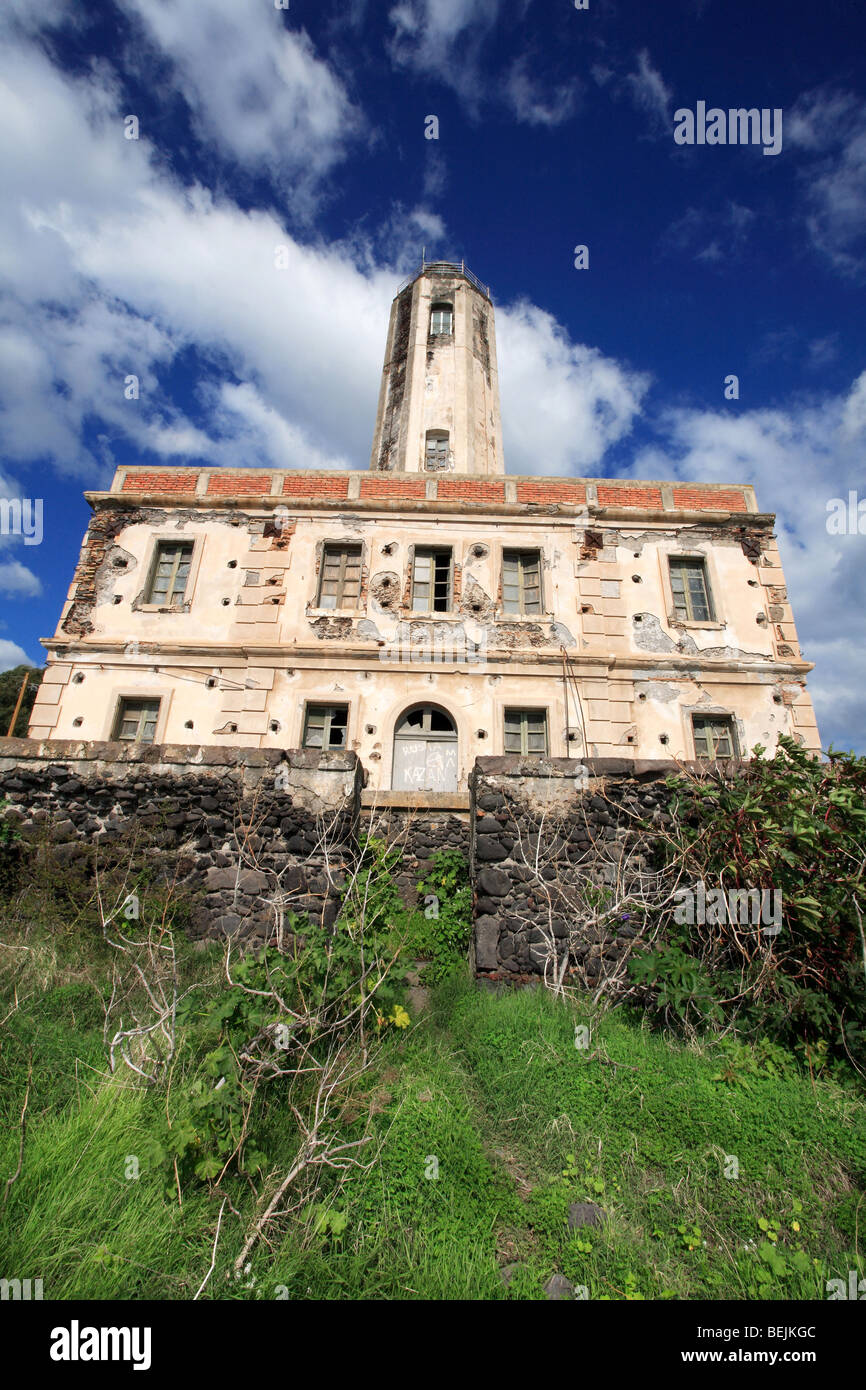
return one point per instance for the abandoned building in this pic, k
(430, 609)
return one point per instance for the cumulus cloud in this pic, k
(12, 655)
(17, 580)
(258, 92)
(563, 403)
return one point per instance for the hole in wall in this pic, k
(77, 678)
(210, 682)
(636, 579)
(641, 696)
(226, 602)
(233, 564)
(369, 728)
(117, 599)
(274, 726)
(663, 738)
(77, 722)
(188, 724)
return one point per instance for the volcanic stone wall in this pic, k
(544, 828)
(419, 833)
(232, 827)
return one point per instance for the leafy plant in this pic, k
(447, 924)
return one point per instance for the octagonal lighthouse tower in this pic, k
(439, 399)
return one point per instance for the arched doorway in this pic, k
(425, 751)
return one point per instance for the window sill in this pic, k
(336, 613)
(709, 627)
(162, 608)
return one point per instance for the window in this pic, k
(436, 454)
(170, 573)
(441, 320)
(521, 581)
(691, 591)
(526, 731)
(325, 726)
(340, 583)
(431, 581)
(714, 736)
(136, 721)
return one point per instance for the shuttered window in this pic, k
(340, 582)
(136, 721)
(436, 453)
(691, 591)
(521, 581)
(170, 574)
(325, 726)
(714, 737)
(431, 581)
(525, 731)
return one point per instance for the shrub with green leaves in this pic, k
(789, 824)
(445, 935)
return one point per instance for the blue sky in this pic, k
(304, 129)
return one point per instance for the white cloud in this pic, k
(17, 580)
(535, 103)
(650, 94)
(257, 90)
(563, 404)
(830, 126)
(443, 38)
(12, 655)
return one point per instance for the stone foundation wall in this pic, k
(543, 830)
(420, 833)
(232, 827)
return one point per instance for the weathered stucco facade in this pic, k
(284, 608)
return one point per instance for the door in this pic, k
(425, 751)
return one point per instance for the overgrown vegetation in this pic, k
(284, 1124)
(792, 826)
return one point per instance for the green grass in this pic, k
(519, 1121)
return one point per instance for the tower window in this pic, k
(714, 736)
(441, 320)
(436, 453)
(526, 731)
(170, 573)
(340, 581)
(691, 591)
(136, 721)
(431, 581)
(521, 581)
(325, 726)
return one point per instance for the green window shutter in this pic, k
(521, 581)
(171, 569)
(526, 731)
(691, 591)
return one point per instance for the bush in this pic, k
(795, 826)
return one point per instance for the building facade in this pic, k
(432, 608)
